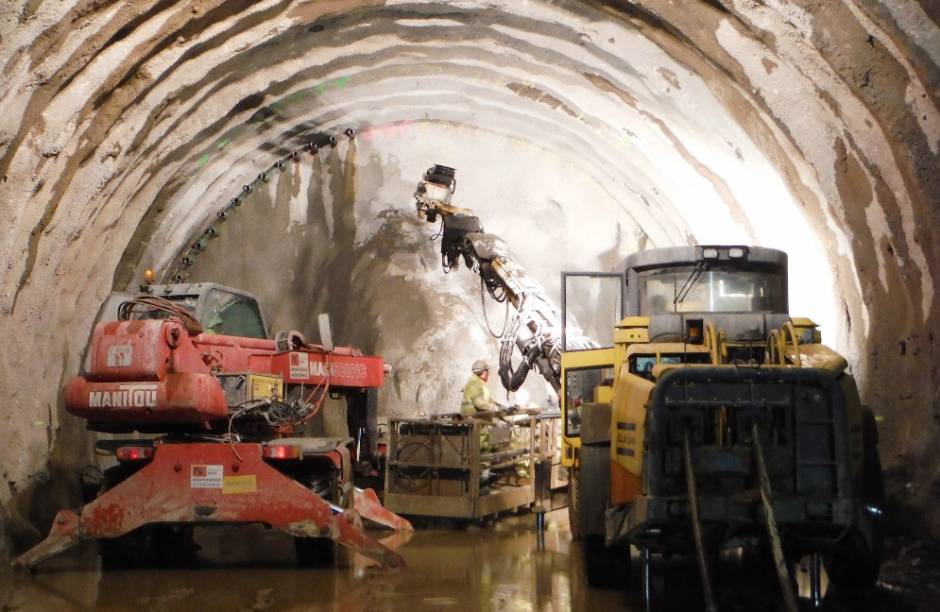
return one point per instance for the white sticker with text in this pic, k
(206, 477)
(299, 365)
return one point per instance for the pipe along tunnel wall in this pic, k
(582, 131)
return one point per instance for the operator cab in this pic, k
(707, 279)
(220, 309)
(740, 290)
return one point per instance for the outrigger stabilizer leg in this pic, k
(367, 505)
(162, 492)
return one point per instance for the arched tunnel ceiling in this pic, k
(582, 131)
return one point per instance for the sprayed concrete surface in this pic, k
(496, 567)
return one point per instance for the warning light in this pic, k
(134, 453)
(281, 452)
(149, 276)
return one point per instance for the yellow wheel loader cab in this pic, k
(706, 355)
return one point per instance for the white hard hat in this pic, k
(479, 366)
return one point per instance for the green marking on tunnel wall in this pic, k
(202, 161)
(222, 144)
(338, 83)
(298, 95)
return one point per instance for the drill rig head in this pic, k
(536, 329)
(434, 193)
(433, 200)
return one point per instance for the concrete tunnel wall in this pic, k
(582, 131)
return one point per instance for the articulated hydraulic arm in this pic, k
(537, 328)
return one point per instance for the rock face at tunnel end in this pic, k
(582, 131)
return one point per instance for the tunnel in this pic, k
(275, 146)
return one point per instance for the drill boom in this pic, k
(536, 330)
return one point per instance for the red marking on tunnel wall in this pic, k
(389, 130)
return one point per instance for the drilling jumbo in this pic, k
(715, 420)
(224, 410)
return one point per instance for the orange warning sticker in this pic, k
(235, 485)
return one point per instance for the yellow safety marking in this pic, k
(237, 485)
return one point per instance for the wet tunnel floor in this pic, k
(495, 567)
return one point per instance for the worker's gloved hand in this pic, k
(501, 411)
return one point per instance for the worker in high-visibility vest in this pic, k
(477, 401)
(476, 395)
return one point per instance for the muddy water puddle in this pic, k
(496, 567)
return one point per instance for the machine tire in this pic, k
(606, 567)
(134, 550)
(854, 571)
(149, 546)
(313, 552)
(649, 594)
(856, 568)
(362, 409)
(574, 504)
(129, 551)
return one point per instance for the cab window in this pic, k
(579, 389)
(718, 289)
(231, 315)
(186, 301)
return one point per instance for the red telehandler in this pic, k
(228, 408)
